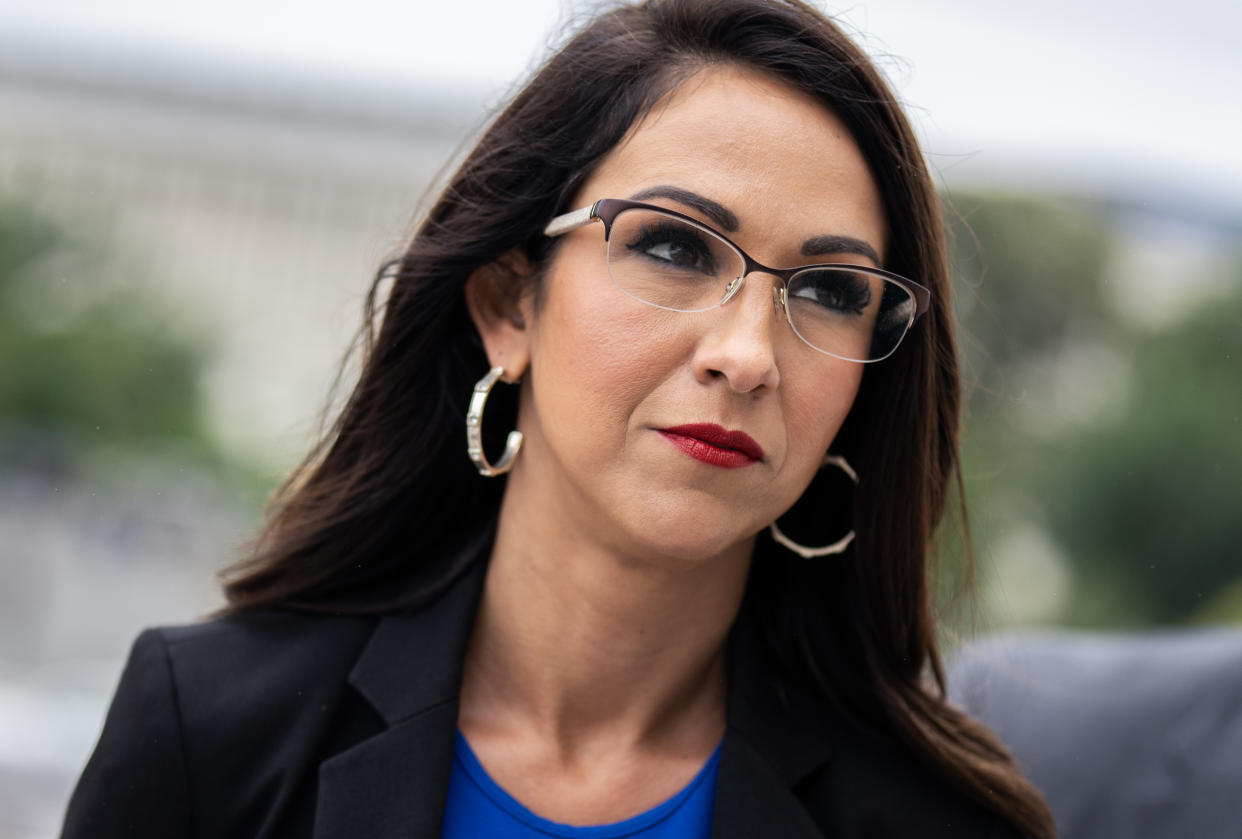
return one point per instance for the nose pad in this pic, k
(778, 299)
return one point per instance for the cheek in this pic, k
(817, 413)
(599, 349)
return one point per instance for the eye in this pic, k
(674, 245)
(840, 291)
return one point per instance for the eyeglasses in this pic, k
(671, 261)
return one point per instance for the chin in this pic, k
(692, 539)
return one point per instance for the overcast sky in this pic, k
(1100, 89)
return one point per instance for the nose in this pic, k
(737, 344)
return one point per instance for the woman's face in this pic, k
(607, 376)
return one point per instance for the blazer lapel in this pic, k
(773, 740)
(394, 785)
(752, 799)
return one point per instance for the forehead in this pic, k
(782, 162)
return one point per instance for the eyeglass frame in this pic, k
(606, 210)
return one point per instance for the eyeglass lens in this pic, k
(673, 264)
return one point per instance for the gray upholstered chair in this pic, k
(1129, 736)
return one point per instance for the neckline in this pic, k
(614, 830)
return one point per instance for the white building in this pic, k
(257, 205)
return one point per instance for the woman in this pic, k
(675, 611)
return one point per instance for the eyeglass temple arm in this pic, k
(572, 220)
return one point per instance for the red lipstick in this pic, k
(714, 445)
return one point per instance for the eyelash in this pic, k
(668, 233)
(857, 296)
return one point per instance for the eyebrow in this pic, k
(724, 217)
(821, 245)
(718, 213)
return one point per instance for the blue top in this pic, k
(478, 807)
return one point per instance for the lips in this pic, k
(714, 445)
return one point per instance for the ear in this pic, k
(497, 295)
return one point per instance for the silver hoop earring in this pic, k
(474, 429)
(836, 547)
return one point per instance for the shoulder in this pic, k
(852, 779)
(256, 694)
(256, 660)
(872, 786)
(211, 719)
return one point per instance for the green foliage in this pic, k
(1026, 274)
(1133, 468)
(1157, 494)
(1224, 607)
(81, 355)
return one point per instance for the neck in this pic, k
(586, 647)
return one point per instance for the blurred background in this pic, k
(194, 197)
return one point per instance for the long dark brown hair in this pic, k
(378, 515)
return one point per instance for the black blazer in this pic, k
(281, 724)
